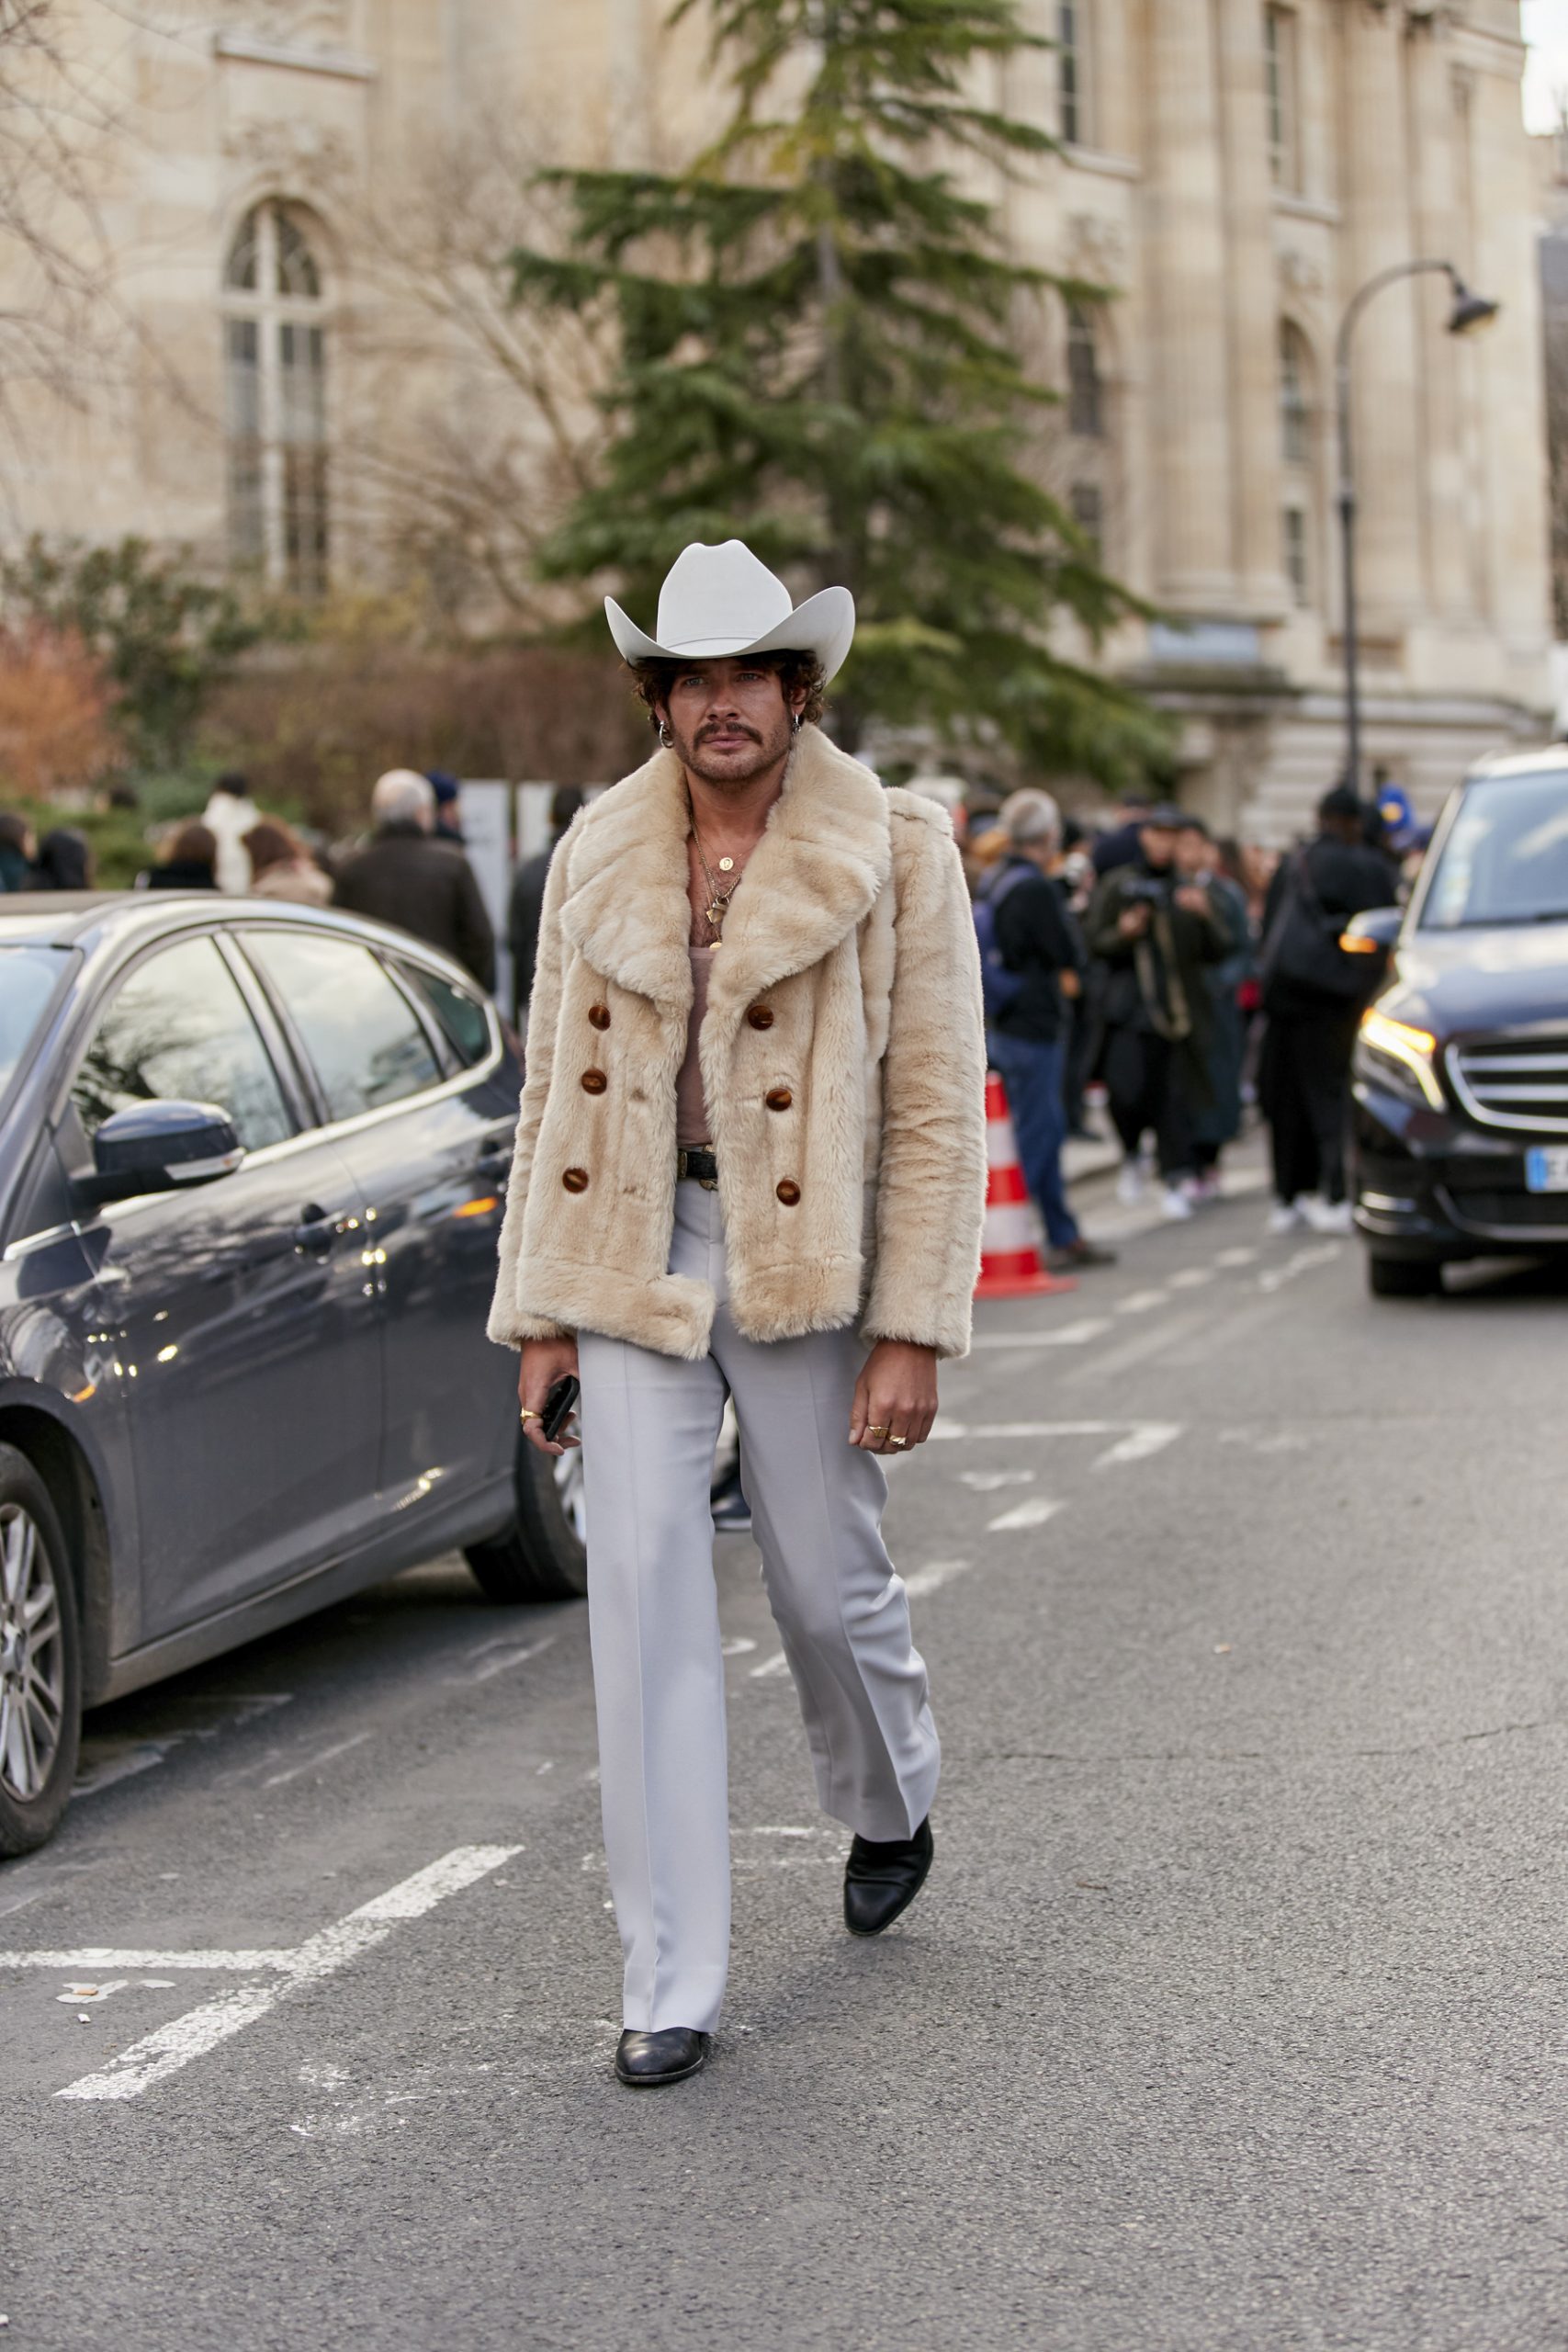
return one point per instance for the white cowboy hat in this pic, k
(721, 601)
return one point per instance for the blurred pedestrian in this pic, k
(18, 849)
(1156, 935)
(418, 884)
(64, 861)
(1120, 845)
(229, 816)
(448, 795)
(1313, 998)
(1032, 960)
(527, 899)
(189, 863)
(1217, 1121)
(282, 868)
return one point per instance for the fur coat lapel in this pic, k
(814, 875)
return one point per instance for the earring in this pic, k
(796, 723)
(664, 735)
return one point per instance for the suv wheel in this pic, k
(40, 1660)
(544, 1554)
(1404, 1277)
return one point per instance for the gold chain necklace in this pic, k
(718, 899)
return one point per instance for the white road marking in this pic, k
(1138, 1302)
(98, 1958)
(1237, 1257)
(1136, 1441)
(1032, 1514)
(107, 1760)
(777, 1663)
(986, 1482)
(737, 1646)
(314, 1763)
(506, 1656)
(172, 2046)
(934, 1574)
(1191, 1277)
(1065, 1335)
(1302, 1263)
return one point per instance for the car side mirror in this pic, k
(1364, 934)
(155, 1147)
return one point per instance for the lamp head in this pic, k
(1471, 312)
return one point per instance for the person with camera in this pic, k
(1156, 935)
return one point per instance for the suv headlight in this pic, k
(1402, 1057)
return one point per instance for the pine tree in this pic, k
(817, 353)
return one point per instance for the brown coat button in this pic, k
(576, 1180)
(594, 1081)
(761, 1016)
(599, 1014)
(789, 1192)
(780, 1099)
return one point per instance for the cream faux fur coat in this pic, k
(843, 1061)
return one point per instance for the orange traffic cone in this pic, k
(1010, 1262)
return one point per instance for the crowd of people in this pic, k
(1176, 977)
(1182, 977)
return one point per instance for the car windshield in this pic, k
(1505, 858)
(28, 977)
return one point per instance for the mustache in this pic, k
(726, 727)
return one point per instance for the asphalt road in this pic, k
(1234, 2014)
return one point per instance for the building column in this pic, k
(1188, 374)
(1436, 122)
(1251, 281)
(1385, 405)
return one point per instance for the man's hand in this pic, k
(544, 1362)
(1132, 922)
(1194, 898)
(895, 1398)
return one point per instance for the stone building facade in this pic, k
(1233, 169)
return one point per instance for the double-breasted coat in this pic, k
(843, 1063)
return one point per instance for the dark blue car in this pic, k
(253, 1160)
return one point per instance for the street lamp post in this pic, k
(1470, 311)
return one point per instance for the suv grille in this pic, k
(1520, 1082)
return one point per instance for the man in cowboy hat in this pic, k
(751, 1161)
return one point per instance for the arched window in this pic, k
(275, 349)
(1296, 462)
(1086, 393)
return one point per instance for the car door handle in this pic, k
(316, 1231)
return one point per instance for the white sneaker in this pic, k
(1130, 1183)
(1285, 1216)
(1328, 1217)
(1174, 1204)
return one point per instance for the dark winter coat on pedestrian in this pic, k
(1345, 879)
(522, 912)
(1219, 1122)
(1039, 940)
(1159, 982)
(424, 886)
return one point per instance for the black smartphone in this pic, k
(559, 1406)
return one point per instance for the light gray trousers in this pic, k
(649, 1426)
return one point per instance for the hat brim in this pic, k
(824, 626)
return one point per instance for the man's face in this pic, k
(1158, 846)
(1192, 854)
(729, 720)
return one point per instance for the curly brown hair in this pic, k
(651, 680)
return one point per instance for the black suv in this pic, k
(1460, 1079)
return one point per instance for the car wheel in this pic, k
(1404, 1277)
(40, 1661)
(544, 1554)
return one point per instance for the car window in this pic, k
(28, 977)
(179, 1029)
(1505, 856)
(462, 1019)
(360, 1031)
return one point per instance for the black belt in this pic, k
(702, 1165)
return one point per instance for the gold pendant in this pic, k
(717, 912)
(727, 865)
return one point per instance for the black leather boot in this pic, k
(645, 2062)
(883, 1879)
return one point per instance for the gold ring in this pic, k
(529, 1414)
(897, 1441)
(876, 1429)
